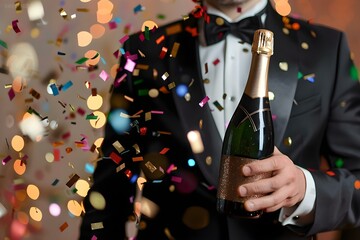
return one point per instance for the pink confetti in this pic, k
(6, 160)
(11, 94)
(124, 39)
(15, 26)
(93, 237)
(204, 101)
(119, 80)
(103, 75)
(171, 168)
(130, 65)
(157, 112)
(176, 179)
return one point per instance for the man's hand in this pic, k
(285, 188)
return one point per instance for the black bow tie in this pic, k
(217, 28)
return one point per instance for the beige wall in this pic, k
(341, 14)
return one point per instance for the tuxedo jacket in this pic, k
(316, 109)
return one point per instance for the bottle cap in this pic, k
(263, 42)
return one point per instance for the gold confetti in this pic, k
(97, 225)
(283, 66)
(305, 46)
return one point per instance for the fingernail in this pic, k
(246, 170)
(243, 191)
(250, 205)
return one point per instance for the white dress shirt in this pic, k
(226, 65)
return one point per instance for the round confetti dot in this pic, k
(219, 21)
(196, 217)
(171, 188)
(97, 200)
(283, 8)
(84, 38)
(97, 31)
(187, 97)
(49, 157)
(283, 66)
(181, 90)
(286, 31)
(17, 143)
(114, 70)
(295, 26)
(94, 102)
(35, 214)
(19, 167)
(119, 123)
(33, 191)
(271, 96)
(208, 160)
(288, 141)
(100, 121)
(153, 93)
(74, 208)
(93, 58)
(35, 33)
(22, 217)
(357, 184)
(305, 46)
(54, 124)
(82, 187)
(21, 195)
(188, 182)
(54, 209)
(191, 162)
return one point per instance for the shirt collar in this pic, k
(250, 12)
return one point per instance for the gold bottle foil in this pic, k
(262, 49)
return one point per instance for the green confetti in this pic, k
(300, 75)
(139, 81)
(91, 117)
(4, 44)
(143, 92)
(218, 106)
(354, 73)
(81, 60)
(339, 163)
(161, 16)
(147, 33)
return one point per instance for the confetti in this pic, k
(175, 49)
(195, 141)
(116, 158)
(72, 180)
(283, 66)
(163, 52)
(6, 160)
(15, 26)
(104, 75)
(160, 39)
(357, 184)
(130, 65)
(216, 61)
(124, 39)
(204, 101)
(67, 85)
(64, 226)
(218, 106)
(4, 44)
(165, 76)
(138, 8)
(54, 89)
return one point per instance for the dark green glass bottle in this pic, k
(249, 135)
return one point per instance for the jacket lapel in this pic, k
(282, 73)
(186, 69)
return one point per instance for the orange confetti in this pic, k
(357, 184)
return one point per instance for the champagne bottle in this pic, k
(249, 135)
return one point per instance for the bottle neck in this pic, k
(257, 83)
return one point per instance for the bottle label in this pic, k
(231, 178)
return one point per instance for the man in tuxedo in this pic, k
(159, 163)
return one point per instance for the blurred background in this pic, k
(58, 60)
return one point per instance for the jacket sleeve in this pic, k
(113, 177)
(338, 189)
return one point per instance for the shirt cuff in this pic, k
(303, 213)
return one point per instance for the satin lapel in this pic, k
(185, 69)
(282, 73)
